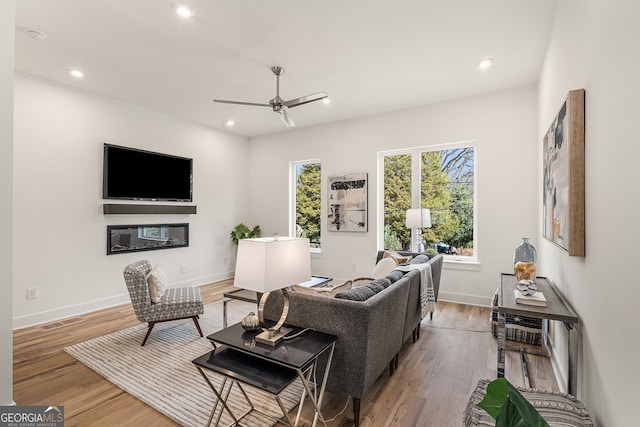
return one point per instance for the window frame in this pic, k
(293, 186)
(416, 180)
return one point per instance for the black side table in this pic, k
(242, 361)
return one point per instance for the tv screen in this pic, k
(134, 174)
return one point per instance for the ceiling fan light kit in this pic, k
(277, 104)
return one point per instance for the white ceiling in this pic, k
(370, 56)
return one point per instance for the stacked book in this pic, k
(526, 293)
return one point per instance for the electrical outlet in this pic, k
(226, 260)
(32, 293)
(353, 267)
(184, 269)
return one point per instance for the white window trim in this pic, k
(451, 261)
(292, 198)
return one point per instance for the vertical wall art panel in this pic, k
(563, 157)
(347, 203)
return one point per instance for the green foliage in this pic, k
(391, 239)
(508, 407)
(446, 189)
(397, 196)
(241, 231)
(308, 203)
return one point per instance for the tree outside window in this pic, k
(307, 203)
(446, 187)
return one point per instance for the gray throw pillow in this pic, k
(384, 283)
(420, 259)
(395, 275)
(361, 293)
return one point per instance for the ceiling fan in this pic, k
(279, 105)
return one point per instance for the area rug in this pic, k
(161, 373)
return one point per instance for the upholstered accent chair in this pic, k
(174, 304)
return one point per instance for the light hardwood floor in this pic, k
(431, 386)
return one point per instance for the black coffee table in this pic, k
(242, 361)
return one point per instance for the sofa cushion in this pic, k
(420, 259)
(395, 275)
(361, 293)
(384, 282)
(364, 292)
(157, 282)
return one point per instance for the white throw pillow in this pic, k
(157, 282)
(384, 267)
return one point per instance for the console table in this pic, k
(241, 361)
(557, 309)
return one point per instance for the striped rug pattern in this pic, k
(161, 373)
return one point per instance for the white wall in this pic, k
(59, 229)
(504, 126)
(594, 46)
(7, 14)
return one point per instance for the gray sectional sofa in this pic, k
(370, 332)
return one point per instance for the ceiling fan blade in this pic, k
(304, 99)
(285, 117)
(241, 103)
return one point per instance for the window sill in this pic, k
(459, 264)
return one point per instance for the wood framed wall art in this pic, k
(563, 177)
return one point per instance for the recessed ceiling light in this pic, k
(77, 74)
(229, 123)
(326, 100)
(35, 34)
(184, 11)
(485, 63)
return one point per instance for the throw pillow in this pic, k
(325, 291)
(361, 293)
(395, 275)
(420, 259)
(380, 284)
(383, 267)
(157, 282)
(399, 259)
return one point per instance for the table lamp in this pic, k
(418, 218)
(270, 264)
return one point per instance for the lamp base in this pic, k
(272, 338)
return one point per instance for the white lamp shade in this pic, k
(268, 264)
(418, 218)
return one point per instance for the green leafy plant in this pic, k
(508, 407)
(241, 231)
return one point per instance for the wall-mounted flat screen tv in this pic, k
(133, 174)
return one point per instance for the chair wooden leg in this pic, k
(356, 411)
(195, 320)
(431, 315)
(151, 325)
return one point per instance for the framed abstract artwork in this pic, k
(563, 175)
(347, 196)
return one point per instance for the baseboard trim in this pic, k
(47, 316)
(465, 299)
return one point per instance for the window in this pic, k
(305, 201)
(440, 178)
